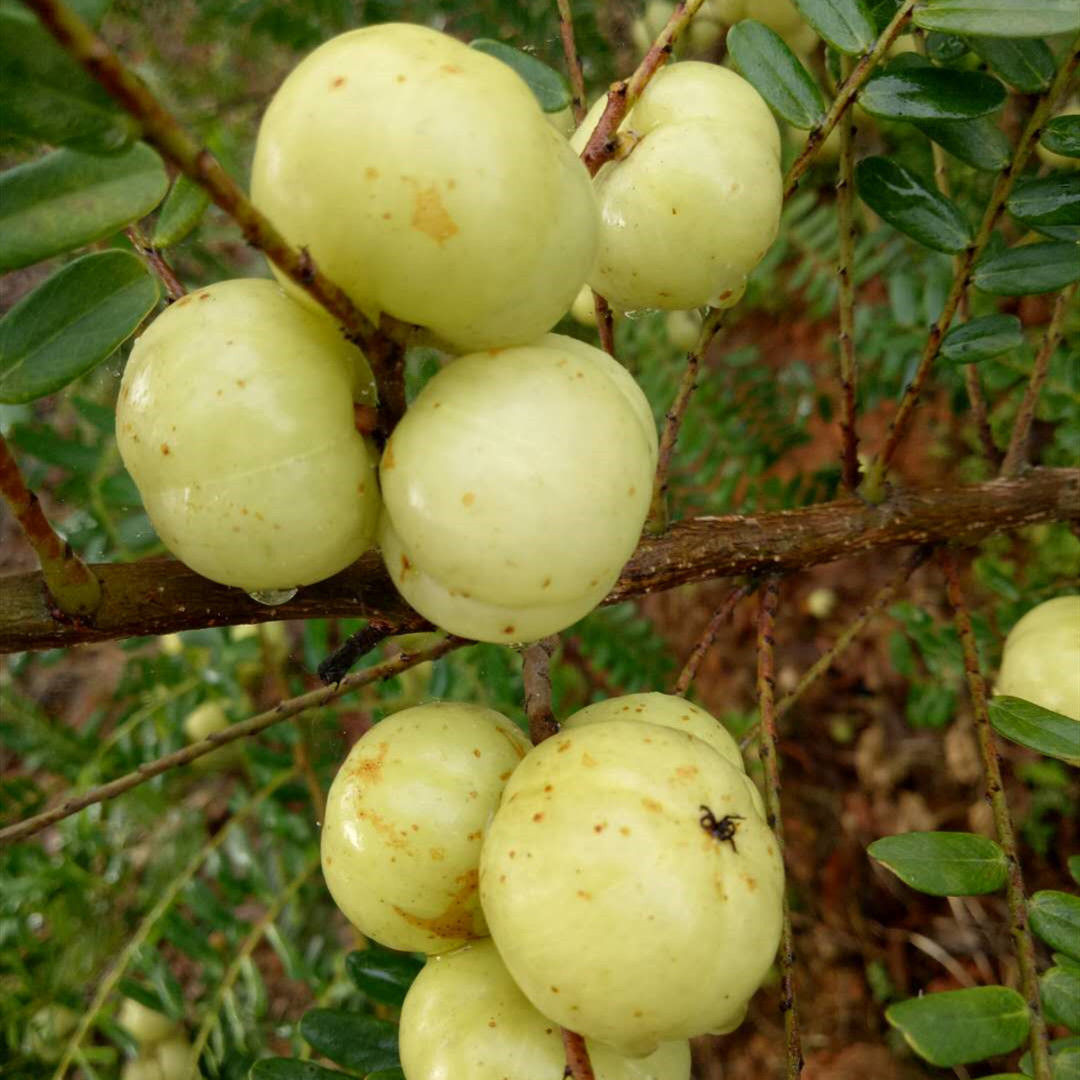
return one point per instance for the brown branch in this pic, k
(766, 694)
(1016, 455)
(873, 485)
(68, 582)
(161, 596)
(605, 324)
(573, 61)
(845, 96)
(157, 263)
(980, 414)
(602, 145)
(578, 1065)
(722, 615)
(337, 665)
(252, 726)
(657, 520)
(995, 793)
(162, 130)
(537, 677)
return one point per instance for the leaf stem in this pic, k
(995, 793)
(157, 262)
(72, 585)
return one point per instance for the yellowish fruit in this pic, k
(47, 1029)
(146, 1026)
(235, 420)
(515, 489)
(464, 1017)
(683, 328)
(631, 885)
(1055, 160)
(426, 182)
(1041, 659)
(404, 820)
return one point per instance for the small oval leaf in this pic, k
(1031, 725)
(67, 199)
(943, 863)
(182, 210)
(548, 86)
(1064, 1059)
(1000, 18)
(1051, 204)
(1026, 63)
(1055, 917)
(288, 1069)
(1062, 136)
(979, 143)
(982, 338)
(1029, 269)
(351, 1039)
(845, 24)
(929, 93)
(73, 322)
(957, 1027)
(384, 976)
(776, 73)
(1059, 989)
(909, 204)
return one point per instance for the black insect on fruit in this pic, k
(720, 829)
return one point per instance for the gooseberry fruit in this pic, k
(1041, 658)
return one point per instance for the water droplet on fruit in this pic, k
(272, 597)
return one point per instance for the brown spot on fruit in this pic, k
(545, 583)
(652, 804)
(452, 69)
(371, 173)
(457, 919)
(468, 498)
(584, 895)
(431, 217)
(623, 830)
(437, 854)
(388, 457)
(538, 816)
(406, 566)
(588, 760)
(337, 82)
(599, 827)
(165, 448)
(564, 746)
(508, 629)
(368, 770)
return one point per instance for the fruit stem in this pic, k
(573, 61)
(157, 262)
(995, 794)
(536, 674)
(70, 582)
(605, 324)
(577, 1056)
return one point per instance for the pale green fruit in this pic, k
(235, 420)
(173, 1057)
(1055, 160)
(425, 181)
(828, 152)
(783, 17)
(562, 121)
(202, 722)
(404, 820)
(821, 603)
(142, 1069)
(694, 205)
(615, 910)
(464, 1017)
(683, 328)
(1041, 660)
(726, 11)
(583, 309)
(521, 521)
(146, 1026)
(47, 1029)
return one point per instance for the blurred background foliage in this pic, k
(185, 866)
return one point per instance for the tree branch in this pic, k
(721, 616)
(573, 62)
(161, 596)
(537, 677)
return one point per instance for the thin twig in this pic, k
(577, 1056)
(252, 726)
(162, 130)
(658, 517)
(338, 664)
(255, 935)
(605, 324)
(721, 616)
(157, 263)
(72, 585)
(573, 61)
(537, 677)
(873, 486)
(175, 886)
(845, 201)
(602, 145)
(845, 96)
(1016, 455)
(995, 793)
(766, 694)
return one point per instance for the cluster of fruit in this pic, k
(424, 179)
(623, 868)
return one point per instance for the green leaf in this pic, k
(288, 1069)
(383, 975)
(982, 338)
(1026, 63)
(548, 85)
(943, 863)
(67, 199)
(958, 1027)
(776, 73)
(1074, 868)
(929, 93)
(67, 326)
(1031, 725)
(182, 210)
(351, 1039)
(909, 204)
(1064, 1059)
(1062, 136)
(1000, 18)
(1050, 205)
(1059, 989)
(945, 48)
(845, 24)
(1055, 917)
(45, 96)
(979, 143)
